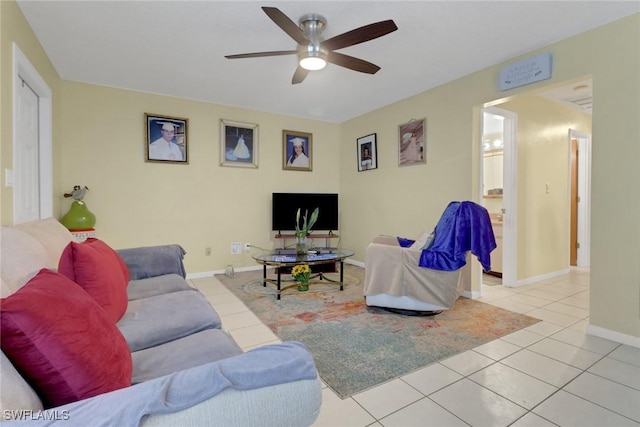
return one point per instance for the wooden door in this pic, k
(573, 251)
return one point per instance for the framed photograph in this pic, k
(367, 153)
(166, 139)
(412, 143)
(238, 144)
(297, 150)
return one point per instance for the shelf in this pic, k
(311, 236)
(327, 238)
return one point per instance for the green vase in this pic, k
(303, 287)
(79, 217)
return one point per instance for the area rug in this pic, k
(356, 347)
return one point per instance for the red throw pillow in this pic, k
(100, 271)
(62, 342)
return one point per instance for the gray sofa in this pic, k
(186, 369)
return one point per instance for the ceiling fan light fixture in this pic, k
(313, 61)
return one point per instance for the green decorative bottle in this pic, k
(79, 217)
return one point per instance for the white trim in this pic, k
(608, 334)
(354, 262)
(24, 70)
(545, 276)
(472, 294)
(203, 274)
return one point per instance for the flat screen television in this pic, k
(285, 205)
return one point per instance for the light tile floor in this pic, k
(548, 374)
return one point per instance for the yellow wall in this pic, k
(404, 201)
(198, 205)
(543, 158)
(14, 29)
(99, 133)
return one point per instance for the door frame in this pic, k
(584, 192)
(509, 191)
(24, 71)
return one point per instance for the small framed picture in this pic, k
(412, 143)
(367, 153)
(166, 139)
(297, 150)
(238, 144)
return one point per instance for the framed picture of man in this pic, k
(238, 144)
(412, 143)
(166, 139)
(367, 153)
(297, 150)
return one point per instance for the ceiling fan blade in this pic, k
(299, 75)
(261, 54)
(287, 25)
(360, 35)
(352, 63)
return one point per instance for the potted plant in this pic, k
(302, 231)
(301, 273)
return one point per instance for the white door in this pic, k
(26, 165)
(32, 143)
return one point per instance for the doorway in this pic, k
(499, 190)
(580, 179)
(32, 173)
(537, 187)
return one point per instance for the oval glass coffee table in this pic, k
(285, 259)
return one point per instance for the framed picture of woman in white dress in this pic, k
(412, 143)
(296, 150)
(238, 144)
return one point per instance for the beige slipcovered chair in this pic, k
(424, 276)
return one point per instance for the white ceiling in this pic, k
(177, 48)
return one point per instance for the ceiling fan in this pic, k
(314, 52)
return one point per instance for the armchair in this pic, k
(423, 275)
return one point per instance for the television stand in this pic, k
(327, 239)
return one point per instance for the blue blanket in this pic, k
(261, 367)
(463, 227)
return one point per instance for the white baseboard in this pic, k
(354, 262)
(203, 274)
(534, 279)
(472, 294)
(610, 335)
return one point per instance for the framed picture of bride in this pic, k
(238, 144)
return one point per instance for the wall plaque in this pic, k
(527, 71)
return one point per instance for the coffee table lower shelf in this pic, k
(316, 278)
(283, 261)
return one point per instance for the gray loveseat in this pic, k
(185, 369)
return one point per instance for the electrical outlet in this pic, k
(236, 248)
(207, 251)
(247, 247)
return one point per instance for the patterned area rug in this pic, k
(356, 347)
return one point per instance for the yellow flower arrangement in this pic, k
(301, 273)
